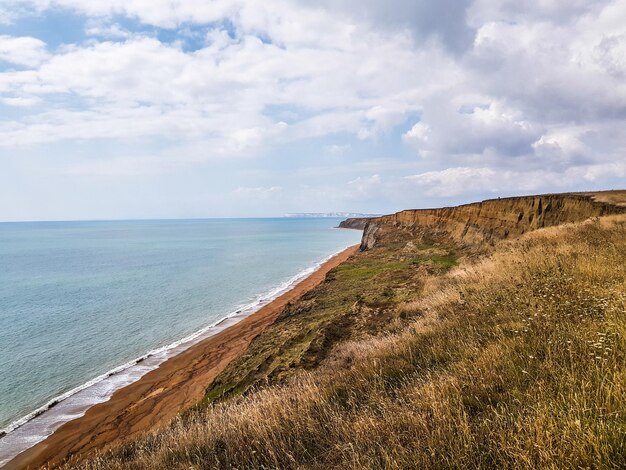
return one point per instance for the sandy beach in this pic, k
(161, 394)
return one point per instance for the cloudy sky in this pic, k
(204, 108)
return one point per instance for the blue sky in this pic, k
(162, 108)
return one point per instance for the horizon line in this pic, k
(157, 219)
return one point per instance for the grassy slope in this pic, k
(359, 298)
(513, 359)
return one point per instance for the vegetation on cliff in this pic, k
(421, 354)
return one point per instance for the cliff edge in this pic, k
(489, 220)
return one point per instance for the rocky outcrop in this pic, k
(354, 223)
(485, 221)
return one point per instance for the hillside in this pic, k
(459, 338)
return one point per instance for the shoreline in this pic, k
(175, 384)
(37, 425)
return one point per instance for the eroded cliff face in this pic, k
(485, 221)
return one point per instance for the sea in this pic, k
(88, 307)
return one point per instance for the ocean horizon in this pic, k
(87, 307)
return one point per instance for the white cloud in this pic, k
(511, 95)
(453, 128)
(562, 144)
(364, 187)
(24, 50)
(221, 90)
(418, 134)
(558, 11)
(104, 29)
(598, 172)
(455, 181)
(459, 181)
(21, 102)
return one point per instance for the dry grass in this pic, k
(516, 361)
(617, 197)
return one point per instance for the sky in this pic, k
(116, 109)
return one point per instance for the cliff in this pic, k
(356, 223)
(486, 221)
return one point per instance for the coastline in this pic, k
(159, 395)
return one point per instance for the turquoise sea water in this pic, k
(78, 299)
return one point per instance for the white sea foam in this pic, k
(34, 427)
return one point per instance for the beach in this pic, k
(161, 394)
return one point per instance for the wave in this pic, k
(133, 370)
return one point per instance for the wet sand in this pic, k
(161, 394)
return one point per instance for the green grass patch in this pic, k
(446, 262)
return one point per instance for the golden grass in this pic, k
(617, 197)
(516, 361)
